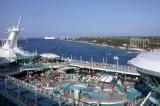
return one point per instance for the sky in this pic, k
(81, 17)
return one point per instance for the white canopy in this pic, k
(49, 55)
(148, 61)
(106, 78)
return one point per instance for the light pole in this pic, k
(81, 58)
(103, 64)
(125, 74)
(71, 57)
(117, 60)
(103, 60)
(62, 55)
(91, 65)
(91, 61)
(106, 56)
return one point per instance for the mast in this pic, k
(19, 21)
(18, 25)
(12, 39)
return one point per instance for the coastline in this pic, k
(134, 50)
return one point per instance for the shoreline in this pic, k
(134, 50)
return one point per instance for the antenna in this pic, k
(19, 21)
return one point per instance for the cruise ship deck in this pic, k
(48, 80)
(53, 82)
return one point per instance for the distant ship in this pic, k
(49, 37)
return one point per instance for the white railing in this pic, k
(28, 53)
(103, 66)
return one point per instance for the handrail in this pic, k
(120, 68)
(142, 104)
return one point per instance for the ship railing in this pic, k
(96, 65)
(58, 64)
(30, 53)
(34, 53)
(104, 66)
(50, 94)
(15, 97)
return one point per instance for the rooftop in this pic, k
(49, 55)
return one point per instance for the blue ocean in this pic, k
(76, 50)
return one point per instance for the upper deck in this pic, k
(105, 67)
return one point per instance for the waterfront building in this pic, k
(139, 42)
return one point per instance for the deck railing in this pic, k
(112, 67)
(47, 93)
(16, 98)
